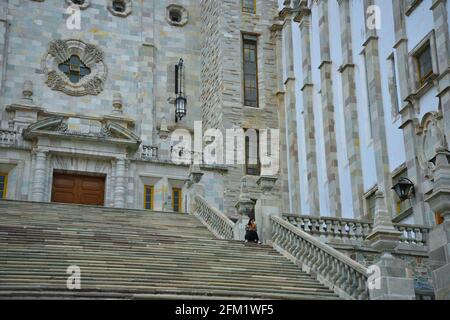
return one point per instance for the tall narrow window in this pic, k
(249, 6)
(148, 197)
(3, 183)
(252, 160)
(250, 70)
(424, 63)
(176, 199)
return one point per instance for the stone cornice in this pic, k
(343, 67)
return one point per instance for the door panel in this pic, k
(78, 189)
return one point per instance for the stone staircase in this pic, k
(133, 254)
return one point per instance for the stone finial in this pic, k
(117, 103)
(384, 236)
(195, 173)
(163, 130)
(27, 91)
(245, 204)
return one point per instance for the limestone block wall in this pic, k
(222, 98)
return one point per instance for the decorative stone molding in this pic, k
(126, 4)
(92, 56)
(82, 6)
(181, 14)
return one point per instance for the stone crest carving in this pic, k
(90, 56)
(431, 137)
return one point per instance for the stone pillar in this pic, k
(393, 282)
(4, 28)
(277, 30)
(244, 207)
(440, 16)
(407, 111)
(326, 71)
(304, 18)
(119, 191)
(291, 112)
(347, 71)
(266, 206)
(39, 175)
(439, 238)
(376, 109)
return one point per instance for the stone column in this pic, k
(304, 18)
(439, 238)
(39, 175)
(376, 109)
(291, 112)
(347, 71)
(326, 71)
(119, 191)
(4, 28)
(277, 30)
(392, 282)
(407, 111)
(440, 16)
(266, 206)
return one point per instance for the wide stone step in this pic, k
(136, 254)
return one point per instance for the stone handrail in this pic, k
(346, 276)
(351, 229)
(7, 137)
(216, 221)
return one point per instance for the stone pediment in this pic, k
(81, 128)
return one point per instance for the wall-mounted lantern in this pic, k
(180, 100)
(404, 189)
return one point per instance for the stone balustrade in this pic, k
(149, 152)
(8, 137)
(216, 221)
(333, 228)
(347, 277)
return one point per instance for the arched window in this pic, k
(74, 69)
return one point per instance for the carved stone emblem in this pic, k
(89, 58)
(432, 138)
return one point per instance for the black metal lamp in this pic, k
(404, 189)
(180, 100)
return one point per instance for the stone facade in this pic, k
(117, 121)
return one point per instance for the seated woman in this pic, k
(251, 234)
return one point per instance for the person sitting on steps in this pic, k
(251, 234)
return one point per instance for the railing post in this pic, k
(194, 186)
(266, 206)
(391, 282)
(244, 207)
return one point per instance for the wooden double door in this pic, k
(79, 189)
